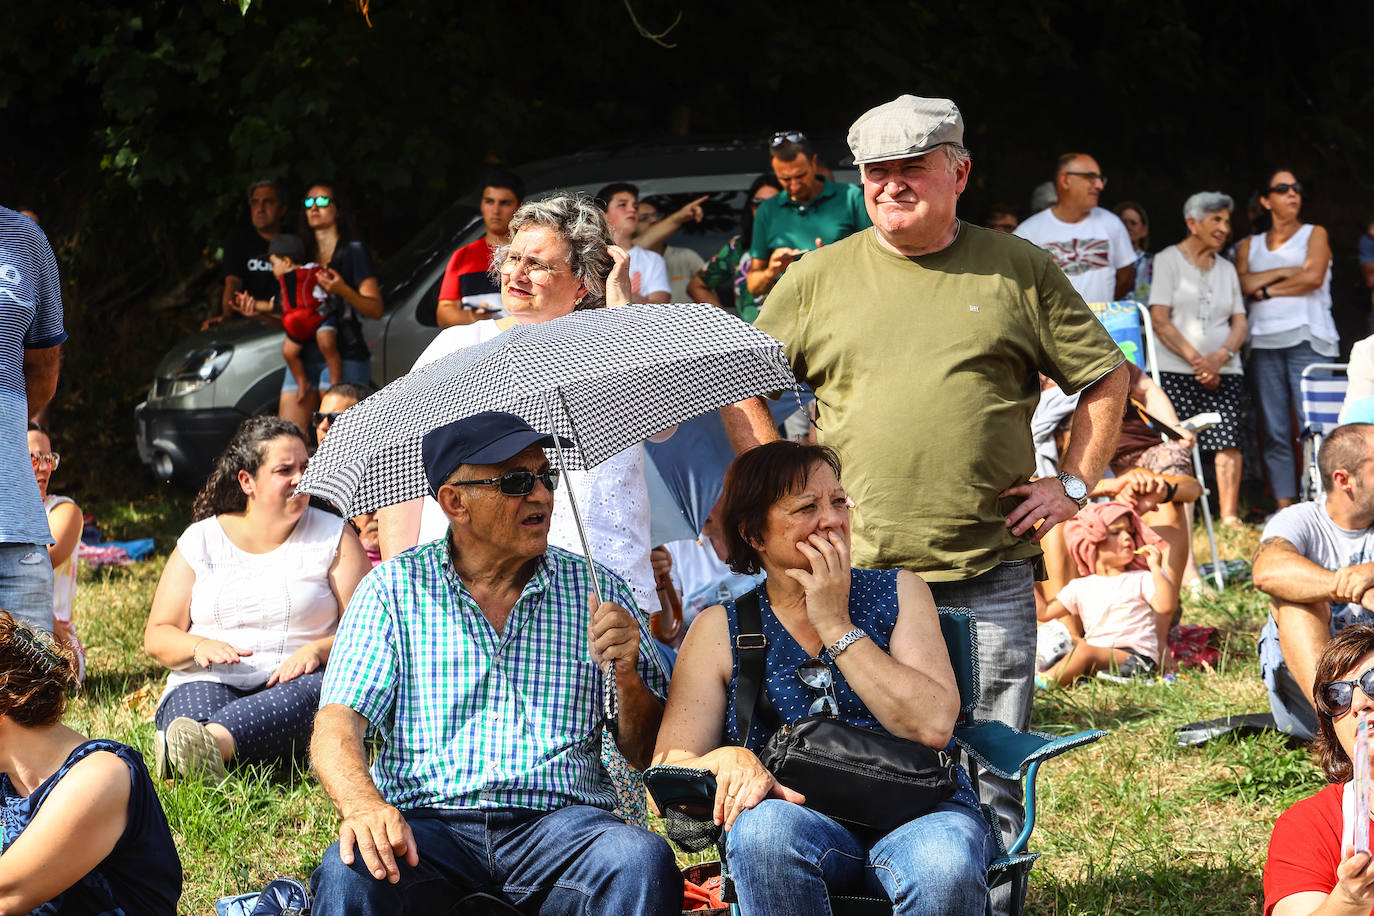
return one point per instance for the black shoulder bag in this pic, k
(861, 777)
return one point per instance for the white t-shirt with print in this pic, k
(1090, 251)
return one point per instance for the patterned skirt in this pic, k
(1230, 399)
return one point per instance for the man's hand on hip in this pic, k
(382, 835)
(1043, 500)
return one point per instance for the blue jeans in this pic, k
(1003, 602)
(1292, 709)
(1278, 382)
(786, 858)
(576, 860)
(26, 584)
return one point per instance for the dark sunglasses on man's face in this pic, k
(516, 483)
(319, 201)
(1285, 187)
(1335, 696)
(317, 418)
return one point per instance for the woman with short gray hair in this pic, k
(576, 225)
(1198, 314)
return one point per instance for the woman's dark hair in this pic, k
(245, 452)
(1264, 220)
(1340, 655)
(346, 222)
(759, 478)
(1144, 218)
(746, 218)
(36, 674)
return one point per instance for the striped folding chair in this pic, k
(1323, 388)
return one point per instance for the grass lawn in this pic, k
(1133, 824)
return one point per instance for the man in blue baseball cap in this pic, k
(477, 660)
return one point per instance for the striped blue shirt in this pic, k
(30, 319)
(470, 718)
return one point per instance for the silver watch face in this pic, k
(1074, 488)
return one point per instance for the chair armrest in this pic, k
(1008, 752)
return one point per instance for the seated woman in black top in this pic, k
(83, 831)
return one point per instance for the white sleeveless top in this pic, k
(64, 574)
(272, 603)
(1283, 314)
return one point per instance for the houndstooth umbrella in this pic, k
(610, 378)
(604, 378)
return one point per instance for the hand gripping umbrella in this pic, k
(604, 378)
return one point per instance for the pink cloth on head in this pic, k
(1088, 528)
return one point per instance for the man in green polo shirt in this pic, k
(922, 338)
(813, 212)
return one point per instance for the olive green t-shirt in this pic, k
(924, 370)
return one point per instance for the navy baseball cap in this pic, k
(489, 437)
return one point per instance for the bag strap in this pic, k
(752, 648)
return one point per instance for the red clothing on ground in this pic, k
(1305, 848)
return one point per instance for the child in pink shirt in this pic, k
(1120, 610)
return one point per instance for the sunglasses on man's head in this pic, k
(516, 483)
(1285, 187)
(786, 136)
(317, 418)
(317, 201)
(1335, 696)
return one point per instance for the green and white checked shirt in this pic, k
(470, 718)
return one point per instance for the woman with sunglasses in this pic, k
(65, 522)
(861, 644)
(326, 226)
(1312, 866)
(246, 610)
(1285, 272)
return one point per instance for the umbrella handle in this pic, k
(667, 623)
(610, 700)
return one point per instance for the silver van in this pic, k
(210, 381)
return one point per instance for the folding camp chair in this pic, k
(1323, 387)
(994, 746)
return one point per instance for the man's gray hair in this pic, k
(272, 183)
(1204, 203)
(580, 223)
(956, 155)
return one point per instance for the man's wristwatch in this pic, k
(1074, 489)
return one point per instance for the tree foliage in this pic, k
(135, 126)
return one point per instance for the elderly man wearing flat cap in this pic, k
(476, 662)
(922, 338)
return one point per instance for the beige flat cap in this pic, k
(907, 126)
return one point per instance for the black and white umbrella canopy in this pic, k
(606, 378)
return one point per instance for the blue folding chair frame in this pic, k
(1323, 387)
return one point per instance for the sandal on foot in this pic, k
(192, 751)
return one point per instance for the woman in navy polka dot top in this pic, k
(877, 636)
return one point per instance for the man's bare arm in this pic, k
(1284, 574)
(1125, 281)
(41, 367)
(377, 828)
(748, 423)
(641, 712)
(1096, 426)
